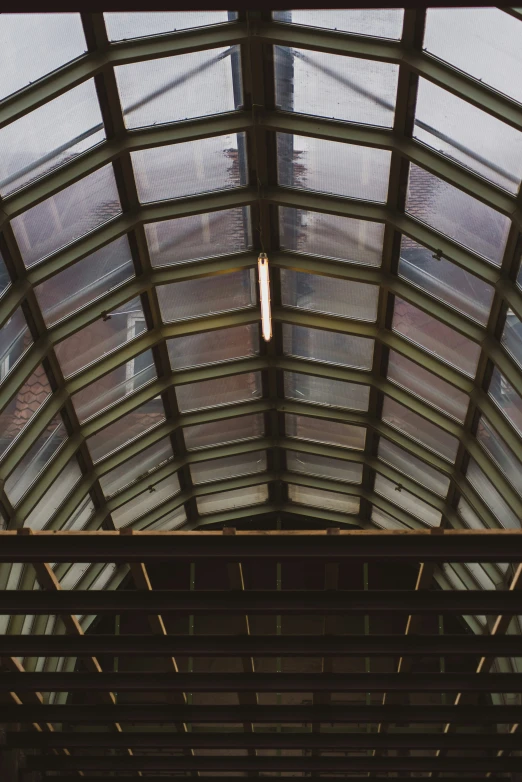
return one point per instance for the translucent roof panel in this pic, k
(324, 466)
(507, 399)
(383, 520)
(219, 391)
(17, 413)
(483, 42)
(323, 391)
(70, 214)
(445, 281)
(495, 446)
(413, 467)
(397, 495)
(512, 336)
(333, 167)
(492, 497)
(212, 347)
(173, 88)
(330, 347)
(198, 236)
(328, 295)
(207, 296)
(321, 498)
(14, 341)
(126, 428)
(457, 215)
(143, 23)
(170, 521)
(228, 467)
(51, 135)
(228, 500)
(53, 498)
(419, 429)
(189, 167)
(377, 22)
(331, 236)
(334, 86)
(155, 494)
(145, 463)
(5, 279)
(33, 45)
(329, 432)
(229, 430)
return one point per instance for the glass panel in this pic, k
(81, 515)
(14, 341)
(126, 428)
(114, 386)
(334, 86)
(237, 498)
(101, 337)
(503, 393)
(324, 466)
(54, 496)
(142, 23)
(85, 281)
(324, 391)
(198, 236)
(328, 346)
(435, 337)
(377, 22)
(136, 467)
(33, 45)
(333, 167)
(245, 427)
(457, 215)
(329, 432)
(489, 494)
(5, 279)
(512, 336)
(383, 520)
(408, 502)
(331, 236)
(71, 213)
(15, 415)
(320, 498)
(427, 386)
(415, 468)
(34, 460)
(344, 298)
(207, 296)
(469, 516)
(468, 135)
(50, 136)
(219, 391)
(154, 495)
(484, 42)
(443, 280)
(190, 167)
(212, 347)
(229, 467)
(491, 441)
(170, 521)
(170, 89)
(419, 429)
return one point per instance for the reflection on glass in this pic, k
(219, 391)
(212, 347)
(419, 429)
(490, 495)
(328, 346)
(329, 432)
(229, 467)
(492, 442)
(324, 391)
(376, 22)
(415, 468)
(512, 336)
(127, 428)
(237, 498)
(356, 300)
(324, 466)
(142, 23)
(503, 393)
(53, 498)
(22, 407)
(154, 495)
(407, 501)
(207, 296)
(14, 341)
(321, 498)
(245, 427)
(136, 467)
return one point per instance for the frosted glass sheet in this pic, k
(169, 522)
(427, 386)
(80, 515)
(356, 300)
(146, 501)
(229, 467)
(331, 236)
(419, 429)
(334, 86)
(457, 215)
(377, 22)
(324, 391)
(33, 45)
(212, 347)
(320, 498)
(245, 427)
(512, 336)
(491, 441)
(142, 23)
(189, 168)
(327, 346)
(445, 281)
(329, 432)
(19, 411)
(137, 467)
(170, 89)
(486, 43)
(435, 337)
(49, 136)
(53, 498)
(383, 520)
(14, 341)
(237, 498)
(85, 281)
(115, 386)
(469, 516)
(126, 428)
(468, 135)
(101, 337)
(415, 468)
(408, 502)
(493, 499)
(333, 167)
(198, 236)
(503, 393)
(323, 467)
(207, 296)
(219, 391)
(70, 214)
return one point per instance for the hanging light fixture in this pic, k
(264, 292)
